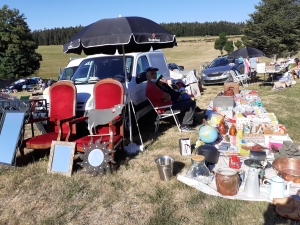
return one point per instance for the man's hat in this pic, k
(150, 68)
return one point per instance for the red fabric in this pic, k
(85, 140)
(107, 95)
(44, 139)
(155, 95)
(62, 104)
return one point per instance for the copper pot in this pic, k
(288, 168)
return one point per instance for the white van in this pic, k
(100, 66)
(70, 69)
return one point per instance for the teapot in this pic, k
(278, 189)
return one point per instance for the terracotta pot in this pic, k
(227, 181)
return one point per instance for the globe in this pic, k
(208, 134)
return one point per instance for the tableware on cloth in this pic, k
(278, 188)
(165, 167)
(227, 181)
(252, 183)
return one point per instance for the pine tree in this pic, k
(275, 27)
(18, 57)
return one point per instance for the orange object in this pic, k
(222, 128)
(234, 162)
(232, 130)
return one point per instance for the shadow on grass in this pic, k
(272, 218)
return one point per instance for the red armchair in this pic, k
(62, 108)
(108, 93)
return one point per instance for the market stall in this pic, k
(250, 145)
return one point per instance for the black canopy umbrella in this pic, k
(125, 34)
(133, 34)
(246, 52)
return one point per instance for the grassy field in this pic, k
(134, 194)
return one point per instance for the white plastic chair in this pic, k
(239, 78)
(169, 112)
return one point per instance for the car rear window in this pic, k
(219, 62)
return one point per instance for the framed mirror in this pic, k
(61, 157)
(11, 128)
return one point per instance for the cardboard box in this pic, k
(233, 85)
(223, 101)
(185, 146)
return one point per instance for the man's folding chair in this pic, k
(239, 78)
(169, 112)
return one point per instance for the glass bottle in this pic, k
(198, 170)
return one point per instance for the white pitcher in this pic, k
(252, 183)
(278, 189)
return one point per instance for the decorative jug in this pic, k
(278, 189)
(227, 181)
(252, 183)
(221, 127)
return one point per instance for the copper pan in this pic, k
(288, 168)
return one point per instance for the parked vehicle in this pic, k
(100, 66)
(218, 71)
(173, 66)
(29, 84)
(70, 69)
(17, 85)
(23, 84)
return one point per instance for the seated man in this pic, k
(161, 98)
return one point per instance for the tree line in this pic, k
(273, 28)
(58, 36)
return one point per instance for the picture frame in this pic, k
(195, 89)
(61, 158)
(11, 124)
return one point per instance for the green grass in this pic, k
(134, 194)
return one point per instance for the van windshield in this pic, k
(98, 68)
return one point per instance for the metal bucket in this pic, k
(165, 167)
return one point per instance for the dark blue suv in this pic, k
(218, 71)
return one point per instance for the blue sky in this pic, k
(49, 14)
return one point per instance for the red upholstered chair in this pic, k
(62, 108)
(108, 93)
